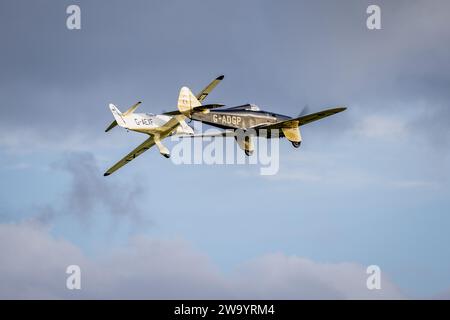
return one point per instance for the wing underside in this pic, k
(300, 121)
(147, 144)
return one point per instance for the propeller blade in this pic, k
(304, 111)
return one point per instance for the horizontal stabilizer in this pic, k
(132, 109)
(112, 125)
(300, 121)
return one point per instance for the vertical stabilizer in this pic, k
(187, 101)
(117, 115)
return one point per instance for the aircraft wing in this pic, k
(300, 121)
(204, 93)
(165, 130)
(147, 144)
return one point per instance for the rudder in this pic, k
(117, 115)
(187, 101)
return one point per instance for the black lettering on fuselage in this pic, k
(143, 122)
(227, 119)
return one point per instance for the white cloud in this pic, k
(33, 266)
(19, 140)
(381, 127)
(407, 184)
(296, 176)
(278, 276)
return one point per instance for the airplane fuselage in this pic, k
(241, 117)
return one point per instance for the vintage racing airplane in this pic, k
(245, 121)
(163, 125)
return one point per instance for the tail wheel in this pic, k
(296, 144)
(248, 152)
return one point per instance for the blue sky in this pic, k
(368, 186)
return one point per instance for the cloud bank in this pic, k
(34, 263)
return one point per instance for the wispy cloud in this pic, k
(385, 127)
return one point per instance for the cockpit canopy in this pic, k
(250, 107)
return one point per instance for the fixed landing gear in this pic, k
(163, 150)
(296, 144)
(248, 152)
